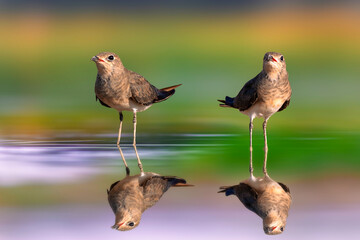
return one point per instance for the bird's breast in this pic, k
(266, 106)
(274, 104)
(271, 96)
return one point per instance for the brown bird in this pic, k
(267, 93)
(131, 196)
(270, 200)
(124, 90)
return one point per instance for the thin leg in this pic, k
(265, 148)
(134, 144)
(118, 144)
(251, 148)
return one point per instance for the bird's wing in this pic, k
(165, 93)
(286, 188)
(101, 102)
(153, 189)
(248, 196)
(156, 186)
(112, 186)
(142, 91)
(285, 105)
(114, 196)
(247, 95)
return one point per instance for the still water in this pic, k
(69, 157)
(59, 163)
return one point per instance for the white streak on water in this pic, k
(39, 164)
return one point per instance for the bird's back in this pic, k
(144, 93)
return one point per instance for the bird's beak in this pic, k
(97, 59)
(270, 230)
(273, 59)
(117, 226)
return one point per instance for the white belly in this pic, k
(130, 106)
(262, 109)
(138, 107)
(261, 183)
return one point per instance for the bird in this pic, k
(124, 90)
(131, 196)
(269, 199)
(267, 93)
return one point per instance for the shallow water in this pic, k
(67, 158)
(194, 213)
(164, 222)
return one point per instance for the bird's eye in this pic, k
(282, 58)
(282, 229)
(131, 224)
(111, 57)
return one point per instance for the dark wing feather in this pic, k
(154, 188)
(165, 93)
(248, 196)
(142, 91)
(285, 105)
(247, 95)
(286, 188)
(114, 195)
(112, 186)
(101, 102)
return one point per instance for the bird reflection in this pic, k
(131, 196)
(269, 199)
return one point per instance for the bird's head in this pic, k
(274, 224)
(107, 62)
(273, 62)
(127, 220)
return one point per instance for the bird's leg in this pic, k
(265, 148)
(251, 148)
(134, 144)
(118, 144)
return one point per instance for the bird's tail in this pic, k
(167, 89)
(228, 102)
(177, 182)
(165, 93)
(228, 190)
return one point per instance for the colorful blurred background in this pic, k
(57, 145)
